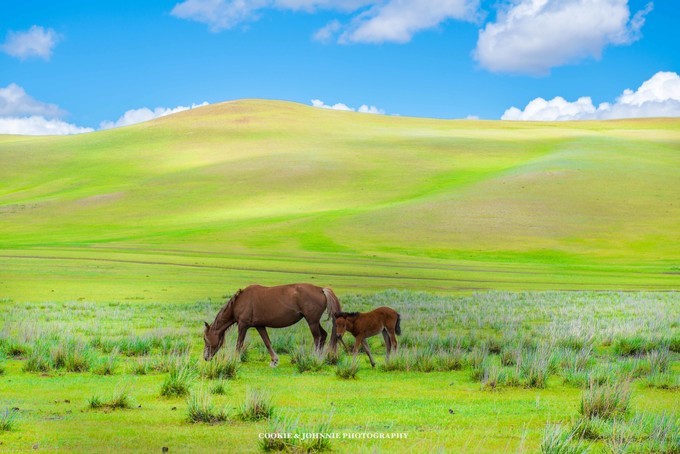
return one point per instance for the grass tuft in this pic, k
(257, 406)
(8, 419)
(606, 400)
(201, 409)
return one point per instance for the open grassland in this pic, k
(261, 191)
(490, 372)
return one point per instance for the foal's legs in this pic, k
(393, 340)
(388, 343)
(368, 352)
(265, 338)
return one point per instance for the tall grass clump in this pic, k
(257, 406)
(40, 359)
(306, 360)
(535, 367)
(402, 360)
(632, 346)
(606, 400)
(135, 346)
(179, 380)
(201, 409)
(8, 419)
(347, 369)
(70, 354)
(287, 435)
(120, 400)
(13, 348)
(558, 440)
(106, 365)
(223, 366)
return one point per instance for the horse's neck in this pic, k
(224, 319)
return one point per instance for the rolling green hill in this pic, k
(194, 204)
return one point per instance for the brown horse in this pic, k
(272, 307)
(363, 325)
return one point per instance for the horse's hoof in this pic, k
(274, 363)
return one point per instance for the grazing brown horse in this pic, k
(363, 325)
(272, 307)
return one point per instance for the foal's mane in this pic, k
(347, 314)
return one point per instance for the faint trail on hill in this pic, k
(330, 274)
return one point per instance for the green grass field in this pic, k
(536, 266)
(441, 389)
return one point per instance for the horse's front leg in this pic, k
(242, 330)
(265, 338)
(368, 352)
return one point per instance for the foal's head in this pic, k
(344, 321)
(213, 342)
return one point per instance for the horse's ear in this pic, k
(207, 325)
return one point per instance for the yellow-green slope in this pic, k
(281, 185)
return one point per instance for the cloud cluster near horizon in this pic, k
(658, 96)
(134, 116)
(35, 42)
(364, 108)
(22, 114)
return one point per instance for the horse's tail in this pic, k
(397, 329)
(332, 303)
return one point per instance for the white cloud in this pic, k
(657, 97)
(374, 21)
(15, 102)
(38, 126)
(219, 14)
(22, 114)
(398, 20)
(328, 32)
(34, 42)
(340, 106)
(532, 36)
(133, 116)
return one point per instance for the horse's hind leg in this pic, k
(319, 335)
(265, 338)
(388, 343)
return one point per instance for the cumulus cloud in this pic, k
(398, 20)
(20, 113)
(38, 126)
(533, 36)
(34, 42)
(134, 116)
(374, 21)
(657, 97)
(340, 106)
(14, 101)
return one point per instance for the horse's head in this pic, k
(213, 342)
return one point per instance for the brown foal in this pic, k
(363, 325)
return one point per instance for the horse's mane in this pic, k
(220, 314)
(347, 314)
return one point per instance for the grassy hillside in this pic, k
(193, 204)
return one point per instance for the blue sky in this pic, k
(86, 63)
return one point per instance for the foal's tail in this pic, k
(397, 329)
(332, 303)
